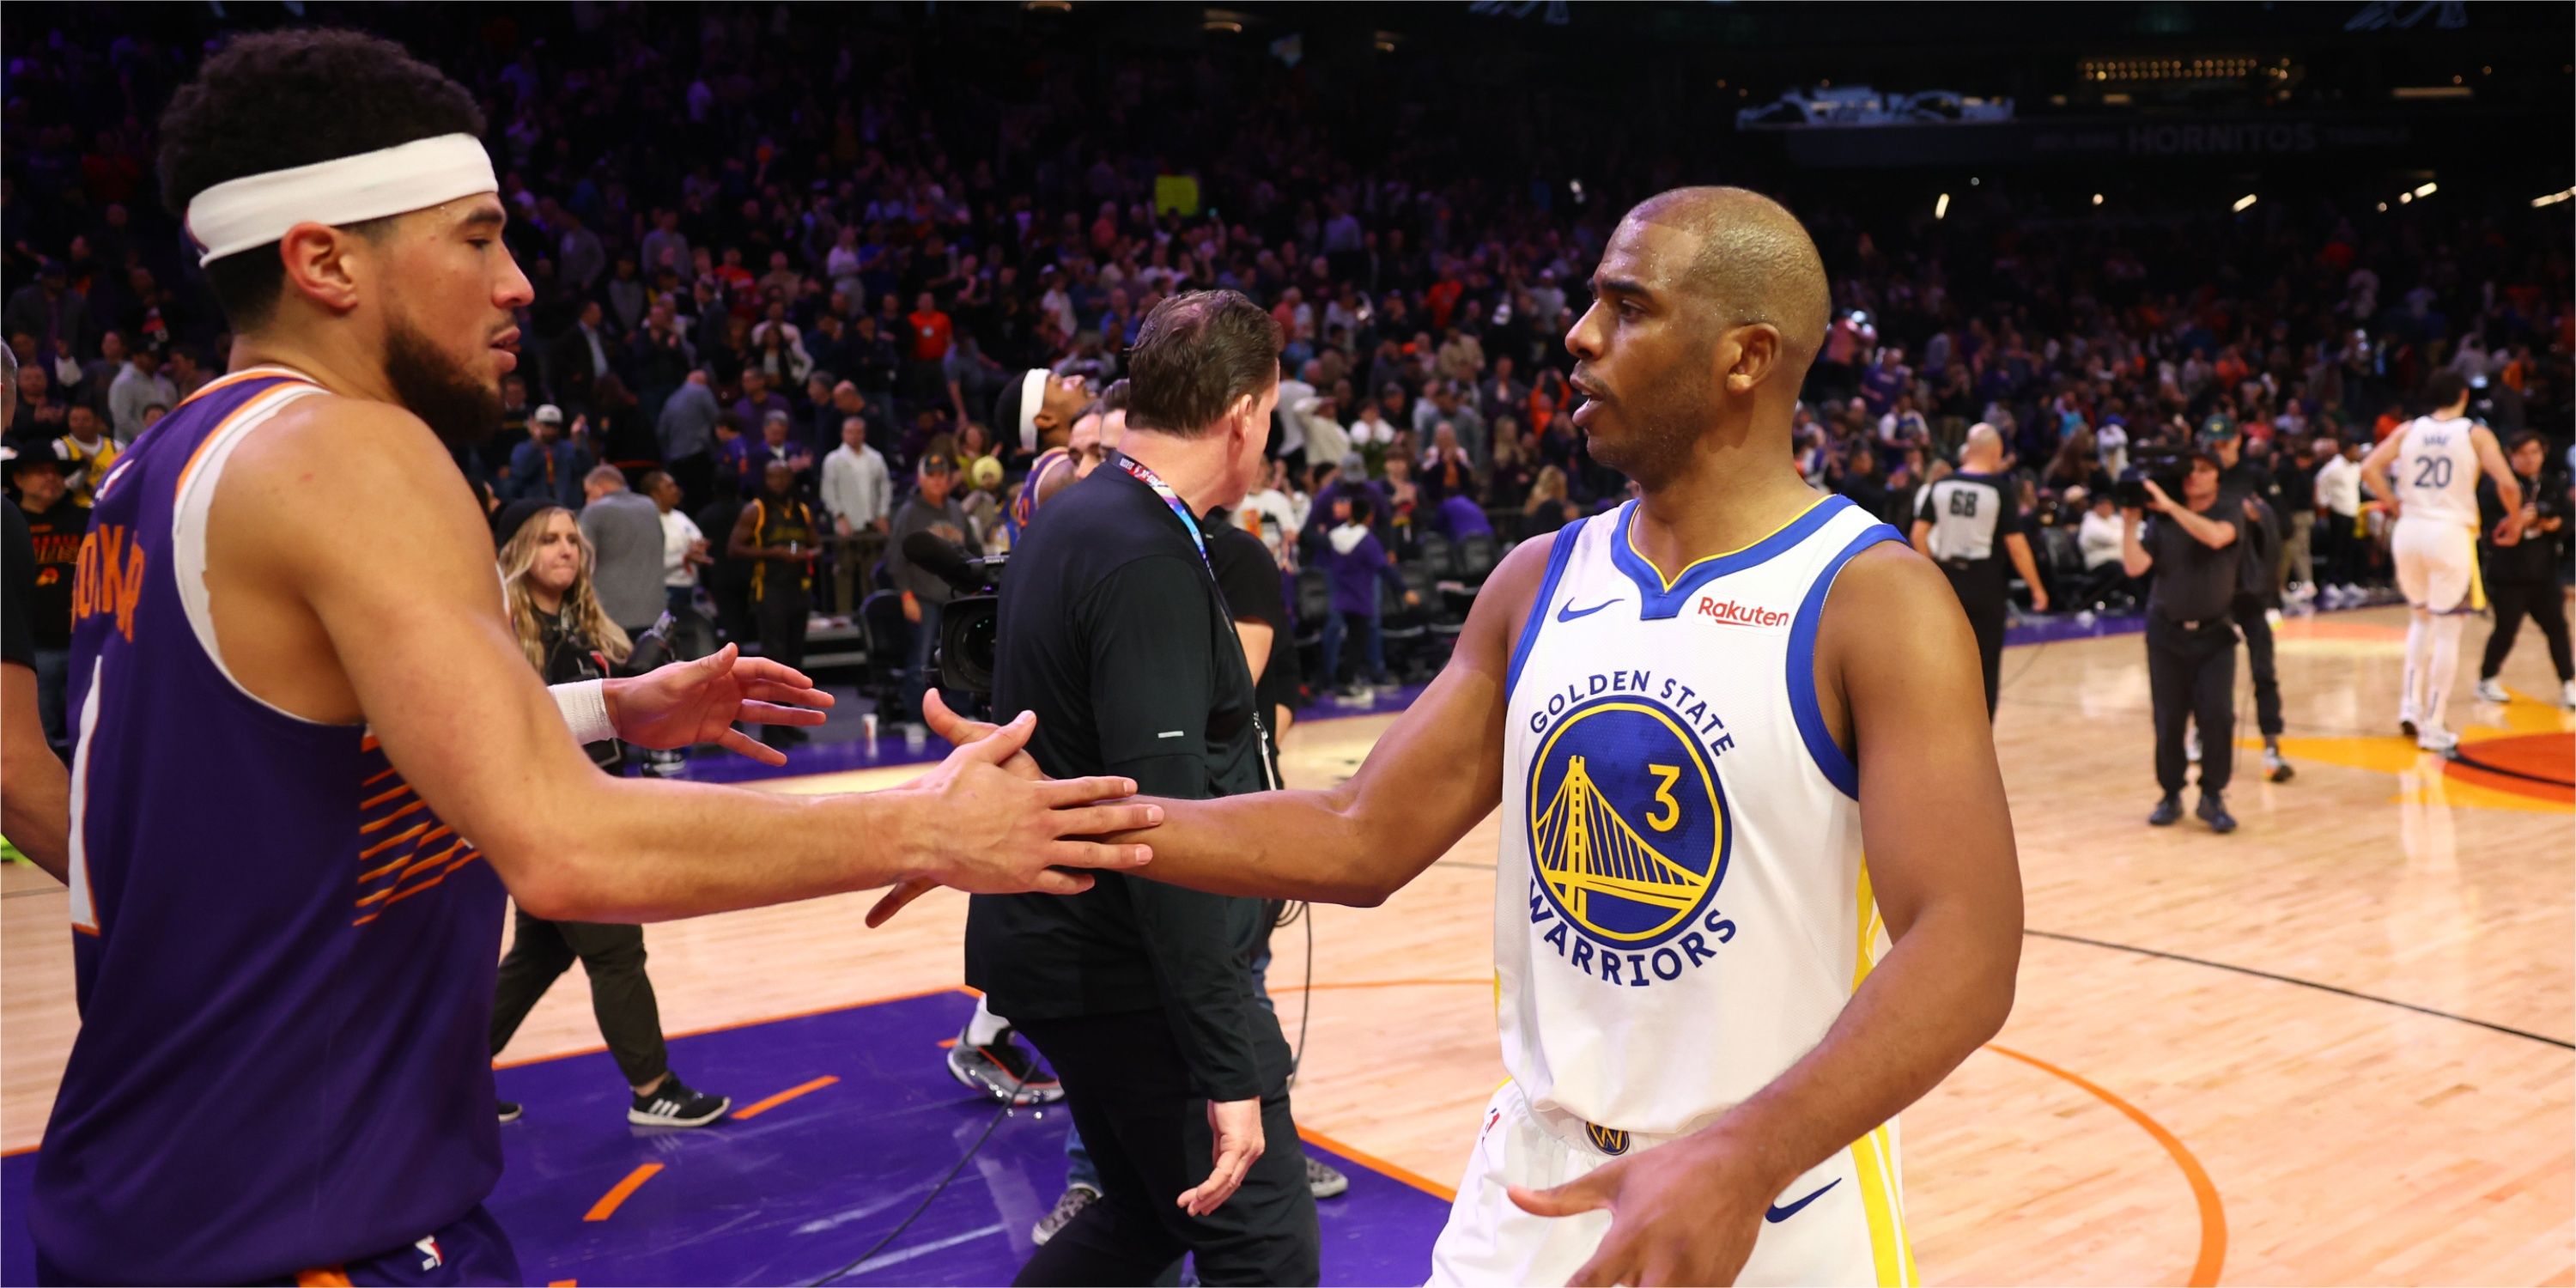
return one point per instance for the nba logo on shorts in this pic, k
(1609, 1140)
(1628, 826)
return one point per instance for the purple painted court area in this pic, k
(804, 1187)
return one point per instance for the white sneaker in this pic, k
(2490, 691)
(2567, 695)
(2406, 722)
(2436, 738)
(2191, 745)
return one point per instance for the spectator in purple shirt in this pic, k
(753, 408)
(1355, 562)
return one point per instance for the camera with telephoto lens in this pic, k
(966, 623)
(966, 633)
(2165, 463)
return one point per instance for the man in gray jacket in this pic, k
(688, 432)
(625, 534)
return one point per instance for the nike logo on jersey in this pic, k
(1779, 1214)
(1567, 612)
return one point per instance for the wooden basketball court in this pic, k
(2332, 1048)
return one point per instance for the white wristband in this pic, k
(585, 708)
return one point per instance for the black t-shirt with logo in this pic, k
(54, 537)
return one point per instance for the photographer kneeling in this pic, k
(2191, 639)
(1112, 629)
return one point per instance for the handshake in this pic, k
(996, 824)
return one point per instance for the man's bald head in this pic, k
(1754, 263)
(1983, 452)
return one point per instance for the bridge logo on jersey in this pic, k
(1609, 1140)
(1628, 838)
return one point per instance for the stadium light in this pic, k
(2405, 198)
(2097, 198)
(2554, 198)
(2383, 207)
(2243, 203)
(2427, 189)
(1941, 208)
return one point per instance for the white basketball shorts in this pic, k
(2437, 564)
(1843, 1223)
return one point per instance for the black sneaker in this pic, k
(509, 1111)
(2168, 811)
(673, 1104)
(2213, 811)
(1324, 1180)
(1068, 1205)
(1002, 1070)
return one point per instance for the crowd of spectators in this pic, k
(752, 247)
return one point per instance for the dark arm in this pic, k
(745, 541)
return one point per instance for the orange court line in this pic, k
(1379, 1165)
(617, 1194)
(2213, 1213)
(563, 1283)
(758, 1107)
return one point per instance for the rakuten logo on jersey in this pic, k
(1728, 612)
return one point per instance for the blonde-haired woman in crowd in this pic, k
(545, 573)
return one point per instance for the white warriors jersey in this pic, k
(1681, 909)
(2437, 472)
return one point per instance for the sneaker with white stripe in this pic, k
(673, 1104)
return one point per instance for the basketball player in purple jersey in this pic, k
(311, 757)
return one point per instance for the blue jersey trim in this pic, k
(1661, 601)
(1837, 768)
(1557, 557)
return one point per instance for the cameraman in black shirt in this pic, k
(1112, 628)
(2191, 642)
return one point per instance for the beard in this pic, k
(456, 406)
(1658, 436)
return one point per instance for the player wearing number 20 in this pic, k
(2436, 460)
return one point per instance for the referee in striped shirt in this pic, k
(1957, 524)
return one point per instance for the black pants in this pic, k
(621, 997)
(1985, 604)
(2191, 677)
(782, 612)
(2257, 630)
(1129, 1090)
(2546, 605)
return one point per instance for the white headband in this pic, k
(255, 210)
(1032, 397)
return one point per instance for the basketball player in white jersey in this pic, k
(2435, 498)
(1697, 712)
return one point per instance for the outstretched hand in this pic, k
(993, 831)
(959, 731)
(686, 703)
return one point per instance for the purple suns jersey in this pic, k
(285, 960)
